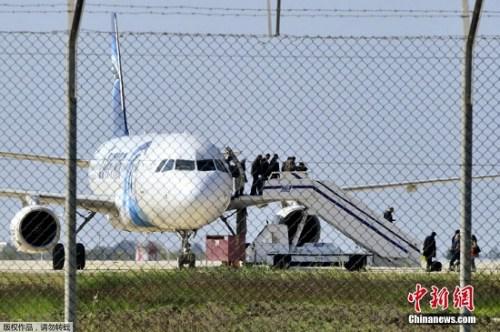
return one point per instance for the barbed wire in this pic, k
(243, 9)
(182, 10)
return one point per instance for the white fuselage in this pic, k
(165, 182)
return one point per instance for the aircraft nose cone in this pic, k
(202, 200)
(211, 195)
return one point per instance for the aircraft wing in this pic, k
(46, 159)
(411, 186)
(100, 204)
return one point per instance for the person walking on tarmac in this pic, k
(474, 250)
(455, 250)
(429, 250)
(256, 172)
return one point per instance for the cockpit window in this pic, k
(165, 165)
(184, 165)
(161, 165)
(169, 165)
(220, 166)
(205, 165)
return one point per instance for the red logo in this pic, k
(463, 297)
(416, 296)
(439, 298)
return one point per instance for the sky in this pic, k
(345, 25)
(373, 110)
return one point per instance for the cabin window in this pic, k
(169, 165)
(165, 165)
(184, 165)
(162, 163)
(205, 165)
(220, 166)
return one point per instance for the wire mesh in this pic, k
(376, 123)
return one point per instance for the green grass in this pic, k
(222, 299)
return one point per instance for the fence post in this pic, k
(70, 203)
(278, 17)
(465, 231)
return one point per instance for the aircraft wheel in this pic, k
(80, 256)
(356, 263)
(282, 261)
(58, 257)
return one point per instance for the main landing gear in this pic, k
(58, 254)
(186, 257)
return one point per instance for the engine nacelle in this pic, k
(35, 229)
(292, 216)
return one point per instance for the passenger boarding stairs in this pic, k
(348, 215)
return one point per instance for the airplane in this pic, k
(146, 183)
(175, 182)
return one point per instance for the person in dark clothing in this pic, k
(289, 165)
(474, 251)
(265, 165)
(233, 168)
(388, 214)
(292, 167)
(256, 172)
(284, 164)
(429, 249)
(274, 168)
(245, 180)
(455, 250)
(301, 167)
(235, 174)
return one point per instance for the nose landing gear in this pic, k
(186, 257)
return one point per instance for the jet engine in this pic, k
(292, 216)
(35, 229)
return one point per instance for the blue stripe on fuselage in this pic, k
(138, 217)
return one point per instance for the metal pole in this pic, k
(241, 221)
(278, 17)
(465, 231)
(465, 16)
(71, 11)
(241, 228)
(269, 20)
(70, 203)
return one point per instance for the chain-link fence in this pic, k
(308, 243)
